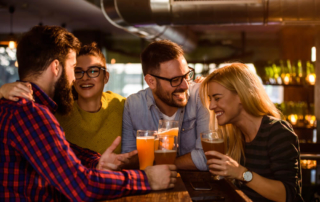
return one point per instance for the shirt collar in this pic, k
(41, 97)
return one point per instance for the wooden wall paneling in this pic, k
(296, 42)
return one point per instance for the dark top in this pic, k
(275, 154)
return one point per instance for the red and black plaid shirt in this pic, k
(37, 163)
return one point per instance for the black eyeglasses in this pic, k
(176, 81)
(92, 72)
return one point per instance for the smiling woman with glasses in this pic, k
(176, 81)
(96, 118)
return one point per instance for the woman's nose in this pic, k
(212, 105)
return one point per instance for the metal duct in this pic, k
(148, 17)
(116, 13)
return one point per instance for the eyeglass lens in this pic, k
(177, 81)
(91, 72)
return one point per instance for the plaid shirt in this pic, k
(37, 163)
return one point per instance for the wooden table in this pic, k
(222, 190)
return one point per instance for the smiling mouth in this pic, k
(86, 86)
(218, 114)
(181, 95)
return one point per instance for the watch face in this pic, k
(247, 176)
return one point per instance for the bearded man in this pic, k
(171, 96)
(37, 163)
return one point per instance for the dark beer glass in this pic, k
(213, 140)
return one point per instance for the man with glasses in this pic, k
(171, 95)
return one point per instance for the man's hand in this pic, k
(112, 161)
(161, 176)
(12, 91)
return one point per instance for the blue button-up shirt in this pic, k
(141, 113)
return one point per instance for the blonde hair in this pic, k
(237, 78)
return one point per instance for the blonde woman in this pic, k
(263, 152)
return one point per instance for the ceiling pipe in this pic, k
(116, 13)
(153, 19)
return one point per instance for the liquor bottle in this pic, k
(276, 75)
(310, 74)
(285, 76)
(299, 77)
(288, 79)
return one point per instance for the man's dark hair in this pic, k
(159, 52)
(42, 45)
(92, 49)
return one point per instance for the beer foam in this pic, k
(215, 141)
(165, 151)
(145, 137)
(163, 130)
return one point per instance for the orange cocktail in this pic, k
(145, 147)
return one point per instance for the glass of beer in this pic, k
(145, 147)
(166, 127)
(167, 150)
(213, 140)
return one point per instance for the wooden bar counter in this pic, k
(222, 190)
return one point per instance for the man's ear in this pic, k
(106, 77)
(151, 81)
(55, 68)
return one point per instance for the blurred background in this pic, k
(277, 39)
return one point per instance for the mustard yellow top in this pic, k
(95, 131)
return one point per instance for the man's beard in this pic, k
(167, 98)
(63, 95)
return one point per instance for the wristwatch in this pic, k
(247, 176)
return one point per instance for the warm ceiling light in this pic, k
(113, 61)
(12, 44)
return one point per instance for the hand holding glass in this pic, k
(213, 140)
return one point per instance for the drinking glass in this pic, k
(213, 140)
(166, 127)
(166, 151)
(145, 147)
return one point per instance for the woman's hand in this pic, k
(224, 165)
(12, 91)
(199, 79)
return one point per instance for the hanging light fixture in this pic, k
(12, 40)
